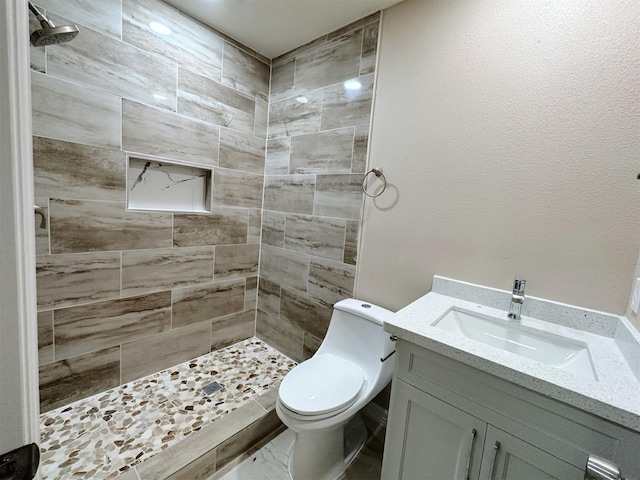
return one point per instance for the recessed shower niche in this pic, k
(158, 184)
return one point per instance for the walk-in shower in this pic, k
(49, 34)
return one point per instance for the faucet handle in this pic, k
(518, 286)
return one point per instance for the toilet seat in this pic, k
(322, 385)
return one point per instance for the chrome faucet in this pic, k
(517, 298)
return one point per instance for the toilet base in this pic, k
(326, 454)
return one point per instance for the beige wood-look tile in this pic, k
(86, 226)
(343, 107)
(251, 293)
(207, 100)
(306, 312)
(65, 280)
(284, 267)
(236, 261)
(190, 45)
(103, 16)
(339, 195)
(295, 115)
(66, 381)
(351, 242)
(281, 334)
(71, 112)
(330, 281)
(158, 132)
(255, 225)
(323, 152)
(313, 235)
(195, 305)
(241, 151)
(337, 61)
(224, 226)
(145, 271)
(269, 297)
(245, 73)
(100, 325)
(108, 64)
(369, 48)
(277, 158)
(233, 328)
(42, 232)
(289, 193)
(162, 350)
(310, 345)
(237, 189)
(74, 171)
(45, 337)
(273, 228)
(360, 146)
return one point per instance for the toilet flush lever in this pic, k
(387, 357)
(393, 338)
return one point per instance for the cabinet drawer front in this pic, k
(569, 433)
(428, 438)
(509, 458)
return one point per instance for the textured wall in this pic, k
(124, 294)
(316, 157)
(508, 131)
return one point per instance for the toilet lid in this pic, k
(322, 384)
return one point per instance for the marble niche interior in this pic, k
(125, 293)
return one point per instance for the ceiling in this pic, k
(274, 27)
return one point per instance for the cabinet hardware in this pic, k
(472, 440)
(492, 466)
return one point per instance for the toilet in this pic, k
(321, 398)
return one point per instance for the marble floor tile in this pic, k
(105, 436)
(271, 462)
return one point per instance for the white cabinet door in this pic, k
(509, 458)
(429, 439)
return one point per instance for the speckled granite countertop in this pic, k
(614, 345)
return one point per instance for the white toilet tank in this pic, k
(356, 334)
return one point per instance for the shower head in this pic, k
(49, 34)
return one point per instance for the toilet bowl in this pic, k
(321, 398)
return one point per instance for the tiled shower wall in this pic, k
(122, 294)
(316, 157)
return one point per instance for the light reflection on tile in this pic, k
(190, 44)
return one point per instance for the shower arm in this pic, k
(44, 21)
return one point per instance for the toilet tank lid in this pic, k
(363, 309)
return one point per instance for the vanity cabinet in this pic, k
(451, 421)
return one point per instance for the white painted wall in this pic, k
(509, 133)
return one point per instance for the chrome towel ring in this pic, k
(378, 173)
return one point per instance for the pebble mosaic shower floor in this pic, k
(102, 436)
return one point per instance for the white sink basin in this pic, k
(509, 336)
